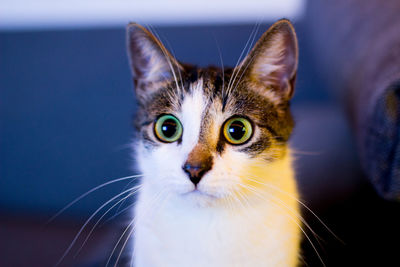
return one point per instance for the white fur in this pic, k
(180, 233)
(181, 228)
(191, 115)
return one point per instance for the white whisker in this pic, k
(86, 222)
(135, 190)
(300, 202)
(133, 222)
(91, 191)
(173, 54)
(295, 213)
(239, 68)
(240, 57)
(126, 186)
(120, 212)
(167, 57)
(292, 219)
(222, 63)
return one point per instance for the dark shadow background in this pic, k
(66, 110)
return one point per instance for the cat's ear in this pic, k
(150, 61)
(272, 63)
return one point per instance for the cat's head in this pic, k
(205, 133)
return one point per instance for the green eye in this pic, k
(237, 130)
(168, 128)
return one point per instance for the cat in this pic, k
(218, 186)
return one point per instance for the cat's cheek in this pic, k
(162, 168)
(223, 180)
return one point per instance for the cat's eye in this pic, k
(168, 128)
(237, 130)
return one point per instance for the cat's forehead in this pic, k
(217, 88)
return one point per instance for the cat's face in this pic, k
(202, 132)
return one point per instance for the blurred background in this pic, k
(67, 105)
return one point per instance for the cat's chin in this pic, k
(199, 193)
(200, 197)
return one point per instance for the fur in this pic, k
(243, 212)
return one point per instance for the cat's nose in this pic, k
(196, 172)
(199, 162)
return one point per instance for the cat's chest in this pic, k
(180, 236)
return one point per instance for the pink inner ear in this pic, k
(275, 62)
(147, 59)
(150, 61)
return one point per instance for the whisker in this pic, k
(166, 55)
(91, 191)
(126, 186)
(124, 146)
(241, 55)
(123, 245)
(308, 153)
(222, 63)
(133, 222)
(173, 54)
(301, 228)
(239, 201)
(86, 222)
(229, 202)
(240, 67)
(248, 63)
(160, 205)
(132, 232)
(291, 210)
(119, 240)
(119, 212)
(235, 199)
(243, 71)
(104, 214)
(300, 202)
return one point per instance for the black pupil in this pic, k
(237, 130)
(168, 128)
